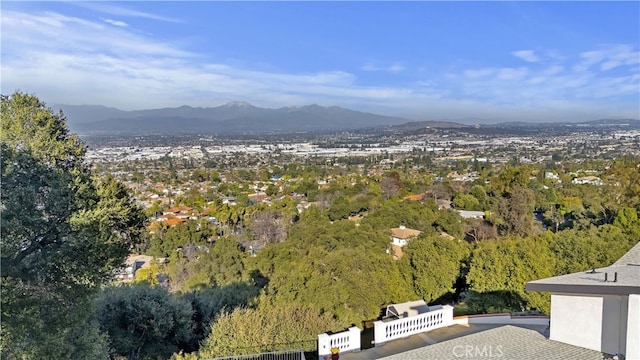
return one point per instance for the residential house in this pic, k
(595, 315)
(551, 175)
(400, 237)
(467, 214)
(135, 262)
(181, 212)
(592, 180)
(258, 197)
(597, 309)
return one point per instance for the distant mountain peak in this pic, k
(238, 104)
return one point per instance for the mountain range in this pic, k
(243, 118)
(231, 118)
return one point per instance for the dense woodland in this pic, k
(66, 230)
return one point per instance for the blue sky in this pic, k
(460, 61)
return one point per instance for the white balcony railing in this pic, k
(348, 340)
(388, 330)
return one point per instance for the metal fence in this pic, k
(273, 355)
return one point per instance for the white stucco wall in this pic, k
(633, 328)
(577, 320)
(596, 322)
(399, 242)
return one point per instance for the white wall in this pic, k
(588, 321)
(633, 328)
(348, 340)
(577, 320)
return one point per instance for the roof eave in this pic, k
(582, 289)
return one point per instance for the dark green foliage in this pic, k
(167, 242)
(309, 188)
(208, 303)
(448, 221)
(497, 301)
(324, 264)
(435, 265)
(508, 264)
(339, 209)
(578, 250)
(466, 202)
(394, 212)
(63, 231)
(218, 264)
(144, 322)
(224, 262)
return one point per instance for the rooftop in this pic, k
(632, 257)
(404, 233)
(477, 341)
(621, 278)
(407, 309)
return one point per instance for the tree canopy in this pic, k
(64, 230)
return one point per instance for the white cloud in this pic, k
(512, 73)
(479, 73)
(124, 11)
(428, 83)
(116, 22)
(538, 80)
(62, 34)
(609, 57)
(526, 55)
(393, 68)
(553, 70)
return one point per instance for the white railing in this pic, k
(345, 341)
(396, 329)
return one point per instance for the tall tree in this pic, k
(144, 322)
(63, 230)
(435, 264)
(391, 184)
(514, 212)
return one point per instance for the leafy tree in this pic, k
(497, 301)
(144, 322)
(509, 179)
(339, 209)
(514, 212)
(63, 230)
(324, 265)
(394, 212)
(578, 250)
(509, 263)
(466, 202)
(268, 327)
(435, 264)
(208, 303)
(449, 222)
(213, 265)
